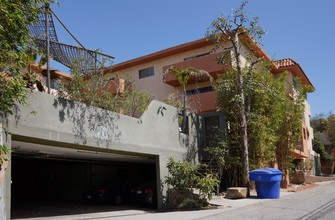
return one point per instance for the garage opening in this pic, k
(48, 186)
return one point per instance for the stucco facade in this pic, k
(67, 129)
(63, 128)
(199, 54)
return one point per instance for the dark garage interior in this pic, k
(56, 186)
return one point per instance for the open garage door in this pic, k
(50, 181)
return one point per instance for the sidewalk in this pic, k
(237, 203)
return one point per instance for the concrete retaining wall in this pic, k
(60, 122)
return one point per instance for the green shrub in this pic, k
(184, 177)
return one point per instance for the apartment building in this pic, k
(148, 72)
(62, 143)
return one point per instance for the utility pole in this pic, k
(47, 6)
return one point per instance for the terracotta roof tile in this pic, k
(293, 66)
(286, 62)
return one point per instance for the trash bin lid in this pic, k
(266, 175)
(265, 171)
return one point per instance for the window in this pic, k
(200, 90)
(143, 73)
(196, 56)
(53, 84)
(304, 133)
(211, 128)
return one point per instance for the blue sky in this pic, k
(299, 29)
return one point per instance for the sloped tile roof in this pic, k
(286, 62)
(292, 65)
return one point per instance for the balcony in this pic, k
(298, 154)
(202, 102)
(115, 86)
(207, 62)
(302, 151)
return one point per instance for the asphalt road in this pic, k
(316, 203)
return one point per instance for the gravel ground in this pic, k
(310, 182)
(314, 179)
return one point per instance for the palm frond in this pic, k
(184, 75)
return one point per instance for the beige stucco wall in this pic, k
(310, 137)
(154, 84)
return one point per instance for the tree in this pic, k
(230, 28)
(264, 95)
(93, 88)
(290, 126)
(263, 124)
(330, 131)
(330, 128)
(318, 123)
(183, 76)
(325, 123)
(320, 149)
(15, 16)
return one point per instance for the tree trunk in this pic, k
(332, 161)
(183, 124)
(244, 133)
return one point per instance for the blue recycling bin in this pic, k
(267, 182)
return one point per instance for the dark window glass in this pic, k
(200, 90)
(146, 72)
(196, 56)
(211, 123)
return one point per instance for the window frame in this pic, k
(146, 72)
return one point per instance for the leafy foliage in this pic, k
(325, 123)
(320, 149)
(183, 76)
(15, 16)
(263, 124)
(274, 120)
(218, 153)
(289, 130)
(318, 123)
(227, 33)
(94, 89)
(185, 177)
(330, 128)
(206, 185)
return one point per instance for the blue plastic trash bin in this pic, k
(267, 182)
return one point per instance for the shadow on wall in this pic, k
(86, 119)
(191, 141)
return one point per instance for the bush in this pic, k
(184, 178)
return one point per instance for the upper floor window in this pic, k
(200, 90)
(196, 56)
(146, 72)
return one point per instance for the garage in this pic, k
(49, 180)
(69, 148)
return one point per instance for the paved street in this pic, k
(316, 203)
